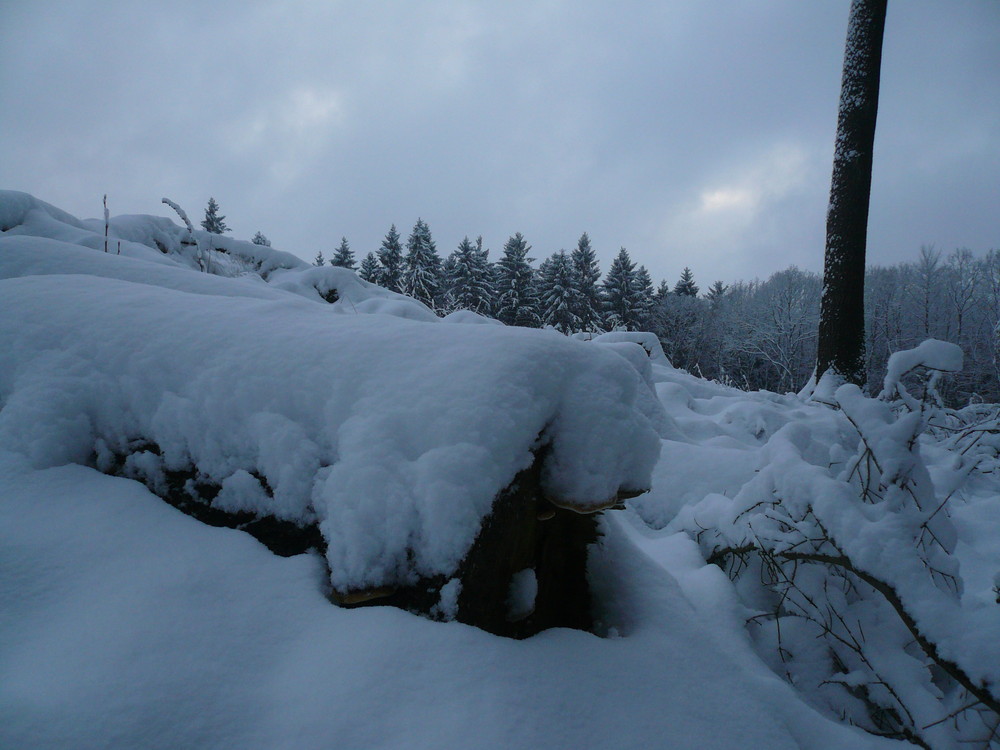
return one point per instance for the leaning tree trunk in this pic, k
(842, 318)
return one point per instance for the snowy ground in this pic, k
(127, 624)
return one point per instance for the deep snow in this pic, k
(127, 624)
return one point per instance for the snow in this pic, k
(447, 606)
(780, 471)
(154, 238)
(470, 318)
(127, 624)
(522, 594)
(180, 212)
(393, 431)
(16, 206)
(354, 295)
(648, 341)
(39, 256)
(938, 356)
(347, 418)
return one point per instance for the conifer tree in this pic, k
(644, 297)
(716, 292)
(390, 257)
(319, 260)
(422, 266)
(484, 254)
(261, 239)
(662, 291)
(213, 222)
(494, 268)
(444, 302)
(622, 299)
(517, 298)
(588, 274)
(492, 276)
(369, 270)
(559, 293)
(344, 256)
(685, 287)
(470, 286)
(540, 273)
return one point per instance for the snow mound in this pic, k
(127, 625)
(160, 240)
(393, 435)
(348, 293)
(155, 238)
(648, 341)
(39, 256)
(470, 318)
(16, 208)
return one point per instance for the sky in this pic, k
(696, 133)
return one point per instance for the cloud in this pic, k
(733, 209)
(729, 200)
(288, 132)
(692, 133)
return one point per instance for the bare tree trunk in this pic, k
(842, 317)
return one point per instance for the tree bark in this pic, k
(842, 318)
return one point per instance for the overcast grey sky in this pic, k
(696, 133)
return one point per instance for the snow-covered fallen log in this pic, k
(393, 437)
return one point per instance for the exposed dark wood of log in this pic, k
(523, 532)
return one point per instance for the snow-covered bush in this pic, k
(846, 556)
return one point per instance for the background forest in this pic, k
(758, 334)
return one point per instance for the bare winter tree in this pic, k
(841, 345)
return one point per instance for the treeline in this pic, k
(751, 334)
(565, 291)
(762, 334)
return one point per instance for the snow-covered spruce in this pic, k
(393, 432)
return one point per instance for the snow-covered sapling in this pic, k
(188, 240)
(862, 602)
(180, 212)
(213, 222)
